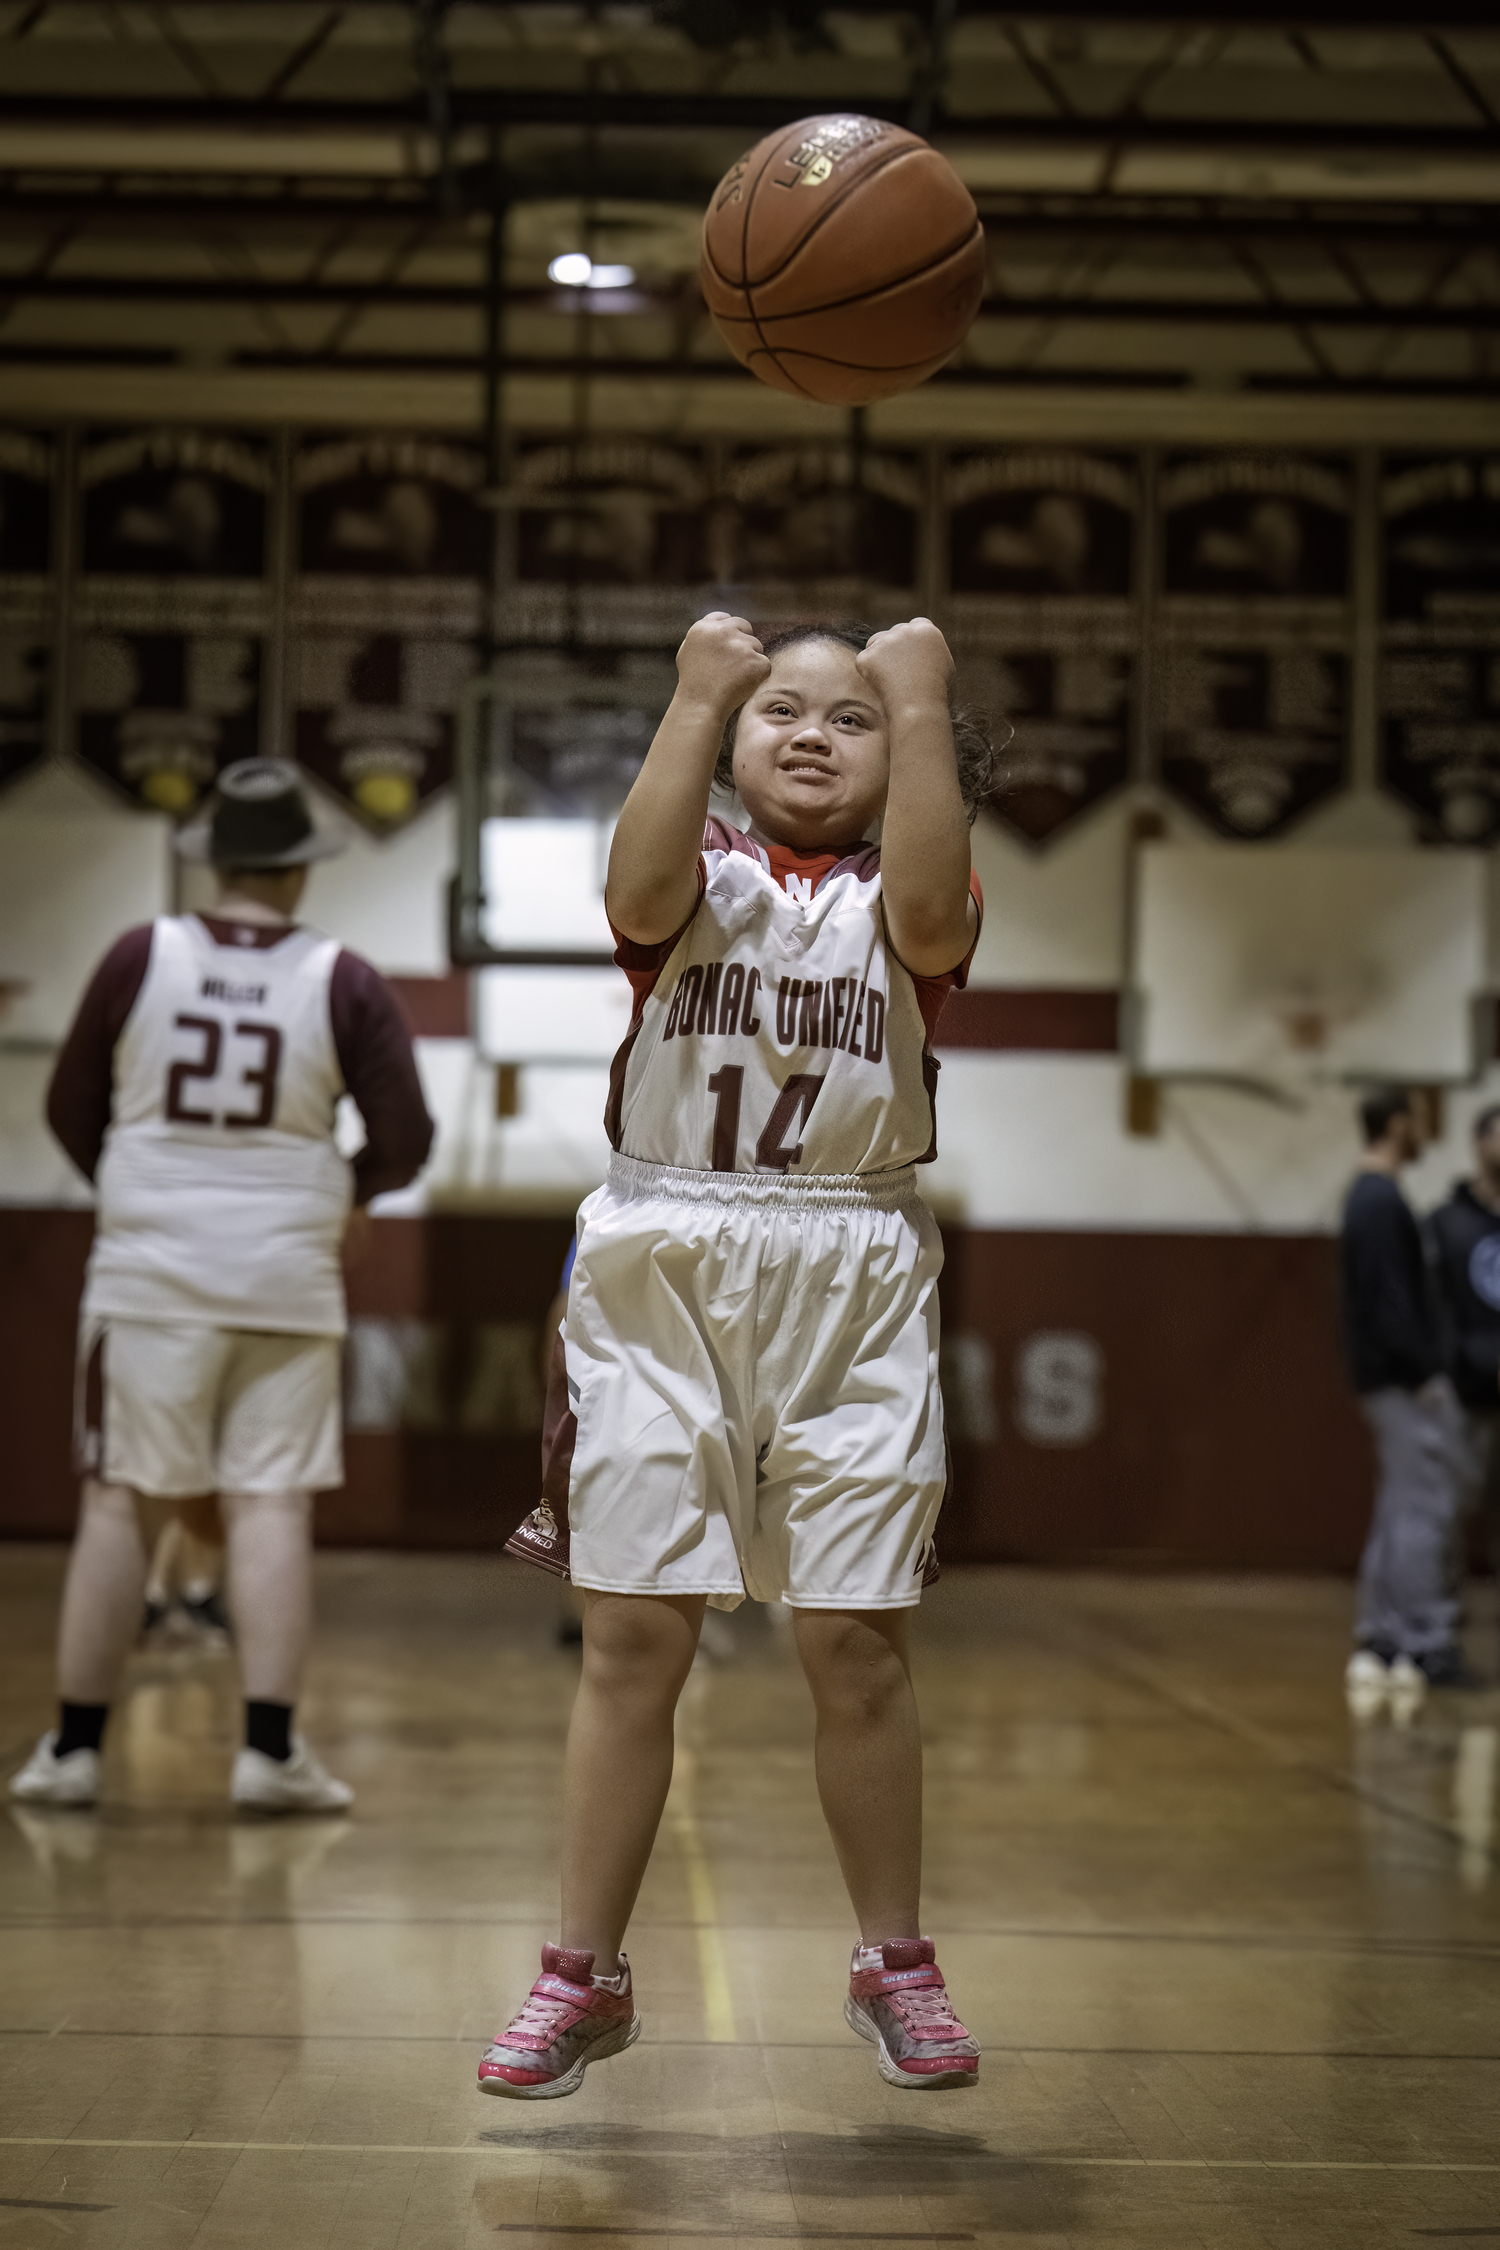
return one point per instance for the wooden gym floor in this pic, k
(1235, 1964)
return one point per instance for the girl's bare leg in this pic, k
(869, 1760)
(637, 1652)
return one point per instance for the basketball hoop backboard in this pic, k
(1277, 966)
(548, 745)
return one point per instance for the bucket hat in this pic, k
(261, 816)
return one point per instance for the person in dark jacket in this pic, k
(1464, 1235)
(1407, 1627)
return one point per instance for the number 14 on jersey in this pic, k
(775, 1151)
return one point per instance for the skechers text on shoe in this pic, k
(898, 2000)
(568, 2022)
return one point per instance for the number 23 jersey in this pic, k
(222, 1197)
(777, 1032)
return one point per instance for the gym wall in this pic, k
(1139, 1356)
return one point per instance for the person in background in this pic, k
(198, 1088)
(185, 1584)
(1464, 1234)
(1406, 1633)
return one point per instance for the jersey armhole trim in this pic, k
(644, 958)
(956, 977)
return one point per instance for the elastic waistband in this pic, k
(763, 1191)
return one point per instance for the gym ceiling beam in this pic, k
(752, 115)
(1247, 15)
(125, 358)
(398, 296)
(119, 216)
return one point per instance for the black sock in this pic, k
(80, 1726)
(268, 1729)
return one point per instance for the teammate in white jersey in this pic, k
(197, 1089)
(750, 1349)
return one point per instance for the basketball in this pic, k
(843, 260)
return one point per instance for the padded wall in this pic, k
(1162, 1398)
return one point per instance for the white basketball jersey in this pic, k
(780, 1035)
(222, 1197)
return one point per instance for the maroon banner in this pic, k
(173, 607)
(1440, 642)
(392, 545)
(27, 598)
(1043, 610)
(1256, 636)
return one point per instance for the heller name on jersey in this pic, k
(234, 995)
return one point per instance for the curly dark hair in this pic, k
(973, 731)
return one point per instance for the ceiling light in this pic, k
(577, 271)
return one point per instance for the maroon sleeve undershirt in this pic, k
(82, 1088)
(380, 1071)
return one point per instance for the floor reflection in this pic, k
(1474, 1801)
(1438, 1767)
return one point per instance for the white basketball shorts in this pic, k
(175, 1409)
(754, 1363)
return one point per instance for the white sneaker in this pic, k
(1407, 1688)
(301, 1784)
(46, 1779)
(1367, 1682)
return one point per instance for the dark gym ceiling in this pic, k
(1234, 205)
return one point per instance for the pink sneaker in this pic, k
(897, 1998)
(567, 2023)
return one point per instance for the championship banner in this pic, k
(819, 531)
(392, 550)
(1044, 618)
(1439, 686)
(1255, 636)
(173, 609)
(615, 542)
(27, 601)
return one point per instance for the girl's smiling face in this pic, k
(812, 749)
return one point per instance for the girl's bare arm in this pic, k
(653, 861)
(930, 917)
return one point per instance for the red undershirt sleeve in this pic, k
(932, 992)
(643, 964)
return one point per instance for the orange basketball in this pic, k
(843, 259)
